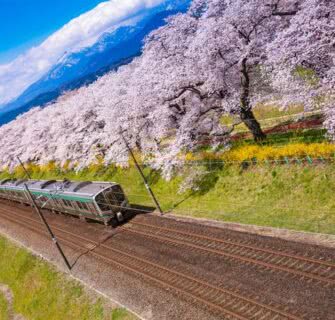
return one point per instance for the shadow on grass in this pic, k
(153, 177)
(177, 204)
(204, 184)
(209, 179)
(136, 209)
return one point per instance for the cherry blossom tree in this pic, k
(308, 42)
(222, 57)
(216, 52)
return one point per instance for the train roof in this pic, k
(80, 188)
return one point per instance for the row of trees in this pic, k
(222, 57)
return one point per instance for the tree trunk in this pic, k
(246, 114)
(252, 124)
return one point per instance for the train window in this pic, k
(83, 206)
(58, 203)
(91, 208)
(80, 205)
(109, 195)
(118, 193)
(67, 203)
(102, 203)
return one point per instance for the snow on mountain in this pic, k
(75, 69)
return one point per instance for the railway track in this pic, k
(228, 303)
(320, 271)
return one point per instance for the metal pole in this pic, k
(142, 174)
(53, 237)
(24, 168)
(34, 205)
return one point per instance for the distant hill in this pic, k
(76, 69)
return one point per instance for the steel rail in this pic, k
(240, 256)
(192, 282)
(231, 255)
(196, 235)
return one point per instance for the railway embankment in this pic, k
(291, 196)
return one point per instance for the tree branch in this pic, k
(276, 12)
(193, 89)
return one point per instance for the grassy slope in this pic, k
(42, 293)
(3, 308)
(294, 197)
(291, 196)
(284, 196)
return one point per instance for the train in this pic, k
(105, 202)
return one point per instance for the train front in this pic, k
(112, 203)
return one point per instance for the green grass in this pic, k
(292, 197)
(279, 139)
(306, 136)
(3, 308)
(121, 314)
(40, 292)
(299, 197)
(270, 116)
(269, 112)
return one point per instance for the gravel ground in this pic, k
(152, 302)
(320, 239)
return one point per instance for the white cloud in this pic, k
(82, 31)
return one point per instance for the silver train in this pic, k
(100, 201)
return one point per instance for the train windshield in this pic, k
(118, 193)
(111, 199)
(102, 202)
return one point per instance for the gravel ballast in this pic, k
(151, 301)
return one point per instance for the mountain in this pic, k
(112, 50)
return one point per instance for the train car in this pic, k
(101, 201)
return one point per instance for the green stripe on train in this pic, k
(50, 195)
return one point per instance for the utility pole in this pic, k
(53, 237)
(24, 168)
(40, 214)
(147, 186)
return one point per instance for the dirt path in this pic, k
(5, 290)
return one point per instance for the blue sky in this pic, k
(36, 34)
(24, 23)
